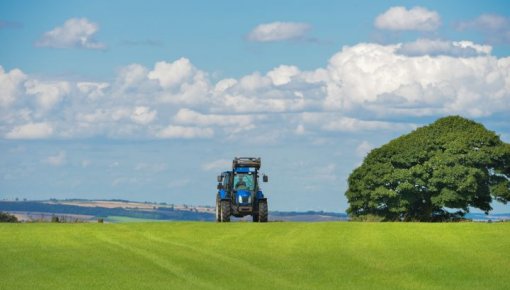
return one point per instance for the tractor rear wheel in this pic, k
(218, 210)
(262, 216)
(225, 210)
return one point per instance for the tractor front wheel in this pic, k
(262, 216)
(225, 211)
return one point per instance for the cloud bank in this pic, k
(363, 88)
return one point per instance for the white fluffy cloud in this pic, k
(47, 94)
(10, 83)
(30, 131)
(278, 31)
(173, 73)
(283, 89)
(400, 18)
(180, 82)
(76, 32)
(282, 75)
(224, 85)
(130, 77)
(376, 78)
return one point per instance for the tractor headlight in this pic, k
(244, 199)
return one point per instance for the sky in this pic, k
(151, 100)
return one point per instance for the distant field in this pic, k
(197, 255)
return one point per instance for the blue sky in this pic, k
(149, 100)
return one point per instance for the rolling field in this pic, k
(195, 255)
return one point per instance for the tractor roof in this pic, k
(253, 162)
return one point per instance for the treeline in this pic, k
(157, 214)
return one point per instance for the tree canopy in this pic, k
(443, 168)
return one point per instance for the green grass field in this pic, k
(195, 255)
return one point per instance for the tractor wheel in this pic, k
(225, 211)
(262, 216)
(218, 210)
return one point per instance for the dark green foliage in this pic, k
(453, 163)
(54, 219)
(7, 218)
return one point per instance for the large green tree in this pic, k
(448, 166)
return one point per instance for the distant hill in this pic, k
(123, 210)
(95, 209)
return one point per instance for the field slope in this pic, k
(195, 255)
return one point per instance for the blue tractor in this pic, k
(239, 193)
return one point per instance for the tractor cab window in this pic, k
(244, 181)
(226, 180)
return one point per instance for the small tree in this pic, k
(7, 218)
(55, 219)
(453, 163)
